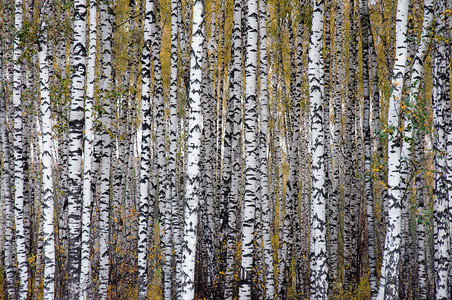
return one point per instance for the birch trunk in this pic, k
(85, 269)
(263, 157)
(145, 151)
(441, 115)
(19, 161)
(47, 181)
(251, 152)
(334, 196)
(319, 264)
(193, 179)
(422, 241)
(75, 147)
(417, 74)
(351, 135)
(8, 203)
(390, 269)
(105, 165)
(172, 160)
(208, 152)
(234, 115)
(161, 171)
(292, 188)
(367, 36)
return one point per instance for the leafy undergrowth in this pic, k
(359, 292)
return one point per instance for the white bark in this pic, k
(19, 215)
(234, 116)
(47, 181)
(172, 160)
(263, 155)
(104, 199)
(145, 152)
(417, 74)
(251, 152)
(8, 204)
(319, 262)
(75, 147)
(85, 268)
(193, 179)
(441, 117)
(390, 269)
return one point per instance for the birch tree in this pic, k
(105, 166)
(263, 157)
(161, 169)
(251, 152)
(75, 147)
(413, 130)
(172, 159)
(336, 148)
(8, 204)
(145, 150)
(421, 228)
(319, 263)
(367, 37)
(390, 269)
(208, 163)
(350, 154)
(193, 179)
(85, 269)
(441, 117)
(234, 118)
(18, 144)
(47, 182)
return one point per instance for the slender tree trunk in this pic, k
(85, 269)
(208, 154)
(145, 151)
(304, 210)
(105, 165)
(367, 36)
(334, 196)
(2, 120)
(350, 196)
(377, 143)
(161, 171)
(27, 106)
(8, 203)
(417, 74)
(422, 240)
(234, 115)
(75, 147)
(47, 181)
(19, 174)
(354, 146)
(390, 269)
(193, 156)
(226, 190)
(293, 178)
(405, 172)
(319, 264)
(441, 115)
(172, 160)
(263, 149)
(181, 146)
(326, 122)
(166, 185)
(251, 152)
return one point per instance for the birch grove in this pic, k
(233, 149)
